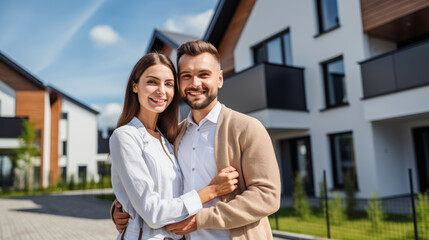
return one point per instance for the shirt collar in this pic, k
(212, 116)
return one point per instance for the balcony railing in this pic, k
(10, 127)
(396, 71)
(265, 86)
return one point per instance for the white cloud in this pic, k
(103, 35)
(191, 24)
(109, 115)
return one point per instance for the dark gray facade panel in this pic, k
(265, 86)
(412, 67)
(378, 76)
(400, 70)
(245, 91)
(285, 88)
(10, 127)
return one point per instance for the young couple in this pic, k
(219, 181)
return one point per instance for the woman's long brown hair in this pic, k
(167, 120)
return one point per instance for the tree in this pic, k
(27, 150)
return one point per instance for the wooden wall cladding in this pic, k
(15, 80)
(55, 121)
(379, 12)
(232, 34)
(31, 104)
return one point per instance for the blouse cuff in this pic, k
(192, 202)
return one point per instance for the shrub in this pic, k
(300, 202)
(72, 185)
(375, 213)
(92, 183)
(422, 208)
(350, 191)
(337, 210)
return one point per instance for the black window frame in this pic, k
(320, 22)
(335, 179)
(324, 66)
(64, 146)
(64, 115)
(263, 44)
(82, 173)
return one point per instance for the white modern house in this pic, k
(66, 129)
(341, 86)
(78, 139)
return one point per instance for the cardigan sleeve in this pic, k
(262, 179)
(134, 175)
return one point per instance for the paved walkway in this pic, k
(66, 216)
(69, 216)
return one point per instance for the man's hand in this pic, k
(120, 218)
(184, 227)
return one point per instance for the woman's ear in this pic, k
(135, 90)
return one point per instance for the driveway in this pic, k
(73, 215)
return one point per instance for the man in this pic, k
(214, 137)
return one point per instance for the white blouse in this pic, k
(147, 183)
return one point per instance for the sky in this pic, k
(87, 48)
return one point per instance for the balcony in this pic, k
(10, 127)
(397, 71)
(397, 83)
(275, 94)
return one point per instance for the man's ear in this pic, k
(220, 82)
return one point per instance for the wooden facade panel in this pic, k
(232, 34)
(15, 80)
(379, 12)
(31, 104)
(54, 170)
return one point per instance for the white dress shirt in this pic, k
(147, 183)
(197, 161)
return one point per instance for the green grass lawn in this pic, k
(393, 227)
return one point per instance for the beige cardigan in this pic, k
(242, 142)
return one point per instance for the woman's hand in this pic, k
(223, 183)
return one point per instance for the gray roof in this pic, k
(173, 39)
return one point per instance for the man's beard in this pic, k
(199, 105)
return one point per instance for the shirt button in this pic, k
(193, 148)
(193, 169)
(198, 129)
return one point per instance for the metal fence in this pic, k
(402, 217)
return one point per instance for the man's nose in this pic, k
(196, 81)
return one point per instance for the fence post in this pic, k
(413, 207)
(326, 204)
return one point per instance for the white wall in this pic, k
(395, 154)
(46, 141)
(7, 101)
(81, 140)
(309, 51)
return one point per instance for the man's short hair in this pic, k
(194, 48)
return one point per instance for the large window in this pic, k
(327, 12)
(276, 49)
(334, 81)
(343, 158)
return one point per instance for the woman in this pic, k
(146, 177)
